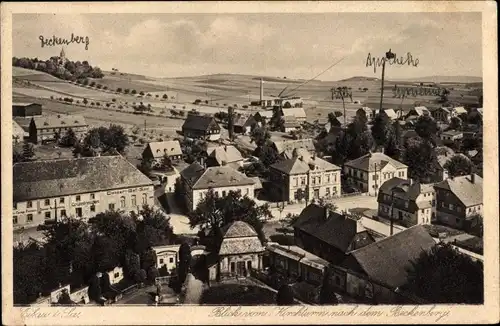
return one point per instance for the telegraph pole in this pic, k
(388, 55)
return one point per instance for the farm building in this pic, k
(290, 123)
(298, 113)
(285, 147)
(201, 127)
(451, 135)
(243, 123)
(45, 128)
(224, 155)
(157, 150)
(26, 109)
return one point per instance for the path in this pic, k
(194, 290)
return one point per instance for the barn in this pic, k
(26, 109)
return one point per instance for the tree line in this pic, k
(69, 71)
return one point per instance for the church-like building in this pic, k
(62, 58)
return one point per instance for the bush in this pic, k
(92, 84)
(119, 89)
(105, 87)
(140, 93)
(99, 86)
(120, 107)
(133, 92)
(113, 100)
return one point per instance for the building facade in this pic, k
(167, 256)
(157, 150)
(369, 172)
(78, 188)
(45, 128)
(410, 203)
(201, 127)
(305, 174)
(459, 198)
(197, 180)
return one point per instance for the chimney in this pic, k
(472, 177)
(202, 161)
(225, 148)
(261, 90)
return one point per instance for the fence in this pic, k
(130, 289)
(359, 193)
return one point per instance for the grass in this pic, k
(238, 295)
(474, 244)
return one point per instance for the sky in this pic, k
(265, 44)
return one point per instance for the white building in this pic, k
(77, 187)
(370, 171)
(197, 180)
(167, 256)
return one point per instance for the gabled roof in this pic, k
(214, 177)
(17, 130)
(290, 122)
(302, 162)
(62, 177)
(295, 112)
(421, 110)
(283, 145)
(160, 148)
(371, 161)
(59, 121)
(470, 194)
(267, 114)
(23, 103)
(241, 120)
(228, 154)
(391, 113)
(199, 122)
(238, 229)
(329, 227)
(406, 190)
(387, 260)
(459, 110)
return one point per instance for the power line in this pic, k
(321, 73)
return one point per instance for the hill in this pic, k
(359, 79)
(444, 79)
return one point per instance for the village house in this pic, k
(410, 203)
(459, 198)
(240, 251)
(156, 151)
(289, 123)
(419, 111)
(296, 112)
(201, 127)
(328, 234)
(458, 111)
(167, 256)
(77, 187)
(224, 155)
(307, 174)
(442, 114)
(18, 132)
(263, 117)
(243, 123)
(115, 275)
(450, 136)
(443, 155)
(367, 112)
(377, 272)
(370, 171)
(26, 109)
(285, 147)
(45, 128)
(197, 180)
(166, 177)
(391, 114)
(78, 296)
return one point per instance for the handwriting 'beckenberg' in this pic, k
(61, 41)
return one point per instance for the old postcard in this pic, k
(249, 163)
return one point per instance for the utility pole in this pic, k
(144, 124)
(392, 211)
(388, 55)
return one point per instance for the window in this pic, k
(122, 201)
(111, 207)
(247, 191)
(334, 190)
(47, 202)
(29, 218)
(14, 220)
(406, 204)
(319, 180)
(303, 181)
(78, 212)
(63, 212)
(328, 191)
(433, 202)
(327, 178)
(459, 209)
(117, 274)
(92, 196)
(161, 260)
(171, 260)
(144, 199)
(15, 205)
(296, 181)
(223, 193)
(47, 215)
(134, 200)
(78, 198)
(61, 200)
(450, 206)
(92, 208)
(29, 204)
(423, 211)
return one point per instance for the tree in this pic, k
(166, 163)
(29, 268)
(426, 127)
(28, 151)
(69, 139)
(267, 154)
(165, 96)
(260, 135)
(381, 130)
(184, 261)
(455, 123)
(475, 226)
(421, 159)
(359, 140)
(444, 275)
(284, 297)
(458, 165)
(393, 147)
(119, 90)
(327, 295)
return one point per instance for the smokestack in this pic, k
(261, 90)
(472, 177)
(230, 122)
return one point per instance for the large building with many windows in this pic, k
(77, 187)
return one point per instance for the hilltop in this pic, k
(444, 79)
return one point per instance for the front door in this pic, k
(240, 269)
(316, 193)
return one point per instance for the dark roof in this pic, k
(387, 260)
(62, 177)
(238, 229)
(470, 194)
(198, 122)
(336, 230)
(407, 190)
(192, 173)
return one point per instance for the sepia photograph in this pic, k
(296, 160)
